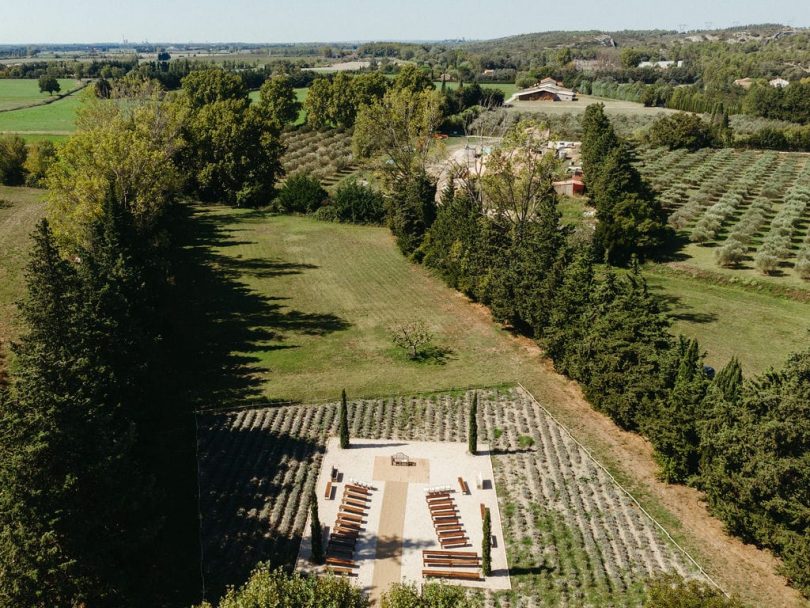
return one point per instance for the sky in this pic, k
(62, 21)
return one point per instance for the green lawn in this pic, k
(761, 329)
(17, 92)
(329, 294)
(20, 209)
(57, 118)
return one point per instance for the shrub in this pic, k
(525, 441)
(267, 587)
(327, 213)
(12, 160)
(356, 203)
(681, 130)
(301, 193)
(41, 156)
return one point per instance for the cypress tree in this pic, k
(729, 380)
(673, 428)
(315, 529)
(343, 429)
(486, 545)
(472, 435)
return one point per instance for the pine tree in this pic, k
(315, 529)
(343, 423)
(472, 434)
(486, 545)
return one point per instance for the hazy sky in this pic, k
(333, 20)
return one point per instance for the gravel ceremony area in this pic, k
(398, 527)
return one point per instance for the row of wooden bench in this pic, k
(446, 521)
(349, 523)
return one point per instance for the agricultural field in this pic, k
(326, 155)
(53, 119)
(22, 92)
(573, 537)
(613, 107)
(745, 213)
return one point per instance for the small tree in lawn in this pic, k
(472, 434)
(344, 421)
(315, 529)
(486, 545)
(411, 336)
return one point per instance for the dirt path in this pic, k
(388, 560)
(739, 568)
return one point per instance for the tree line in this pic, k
(97, 491)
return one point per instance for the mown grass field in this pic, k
(332, 292)
(17, 92)
(760, 328)
(20, 209)
(54, 119)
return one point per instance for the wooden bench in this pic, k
(343, 542)
(462, 542)
(353, 503)
(356, 488)
(440, 496)
(484, 510)
(450, 563)
(444, 511)
(449, 553)
(456, 526)
(351, 509)
(340, 552)
(328, 494)
(465, 489)
(356, 496)
(345, 563)
(358, 519)
(467, 576)
(445, 519)
(341, 571)
(441, 503)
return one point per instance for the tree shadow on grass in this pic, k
(674, 307)
(227, 325)
(434, 355)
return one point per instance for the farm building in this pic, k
(745, 83)
(547, 89)
(779, 83)
(571, 186)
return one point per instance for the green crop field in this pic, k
(57, 118)
(18, 92)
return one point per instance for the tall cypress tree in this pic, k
(486, 545)
(729, 380)
(343, 423)
(673, 426)
(472, 433)
(316, 531)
